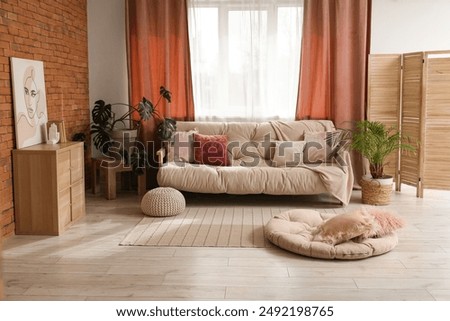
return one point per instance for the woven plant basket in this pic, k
(373, 193)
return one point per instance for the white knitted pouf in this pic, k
(163, 201)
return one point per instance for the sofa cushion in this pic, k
(182, 147)
(288, 153)
(240, 131)
(250, 153)
(321, 146)
(294, 130)
(241, 179)
(250, 131)
(211, 149)
(270, 180)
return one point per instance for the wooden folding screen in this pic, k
(435, 121)
(411, 117)
(384, 93)
(423, 113)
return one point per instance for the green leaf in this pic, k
(376, 143)
(146, 109)
(101, 113)
(100, 137)
(139, 161)
(166, 129)
(165, 93)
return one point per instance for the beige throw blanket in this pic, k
(328, 174)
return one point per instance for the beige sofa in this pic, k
(276, 157)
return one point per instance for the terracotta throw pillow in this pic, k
(211, 149)
(344, 227)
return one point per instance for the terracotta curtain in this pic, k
(335, 47)
(159, 56)
(333, 67)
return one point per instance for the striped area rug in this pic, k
(204, 227)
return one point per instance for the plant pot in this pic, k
(124, 140)
(121, 134)
(376, 191)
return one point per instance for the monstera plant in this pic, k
(166, 129)
(105, 125)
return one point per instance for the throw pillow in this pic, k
(182, 147)
(321, 147)
(386, 222)
(211, 149)
(288, 154)
(343, 227)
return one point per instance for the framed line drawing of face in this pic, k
(30, 101)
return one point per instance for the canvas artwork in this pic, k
(30, 102)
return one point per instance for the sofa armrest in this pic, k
(160, 154)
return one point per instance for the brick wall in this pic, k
(55, 32)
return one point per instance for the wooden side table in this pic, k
(109, 168)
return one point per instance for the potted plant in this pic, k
(376, 142)
(166, 129)
(109, 131)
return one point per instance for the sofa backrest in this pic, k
(253, 134)
(252, 131)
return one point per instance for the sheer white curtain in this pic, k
(245, 58)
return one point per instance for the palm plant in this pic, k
(376, 142)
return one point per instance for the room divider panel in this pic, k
(384, 93)
(435, 121)
(423, 113)
(410, 118)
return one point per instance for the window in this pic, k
(245, 58)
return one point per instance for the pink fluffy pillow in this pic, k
(343, 227)
(363, 223)
(385, 222)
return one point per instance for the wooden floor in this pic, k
(86, 262)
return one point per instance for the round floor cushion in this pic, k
(293, 231)
(163, 201)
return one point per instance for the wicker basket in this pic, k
(374, 193)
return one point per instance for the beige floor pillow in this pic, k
(293, 230)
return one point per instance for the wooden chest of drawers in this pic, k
(48, 187)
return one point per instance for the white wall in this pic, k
(400, 26)
(108, 73)
(108, 76)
